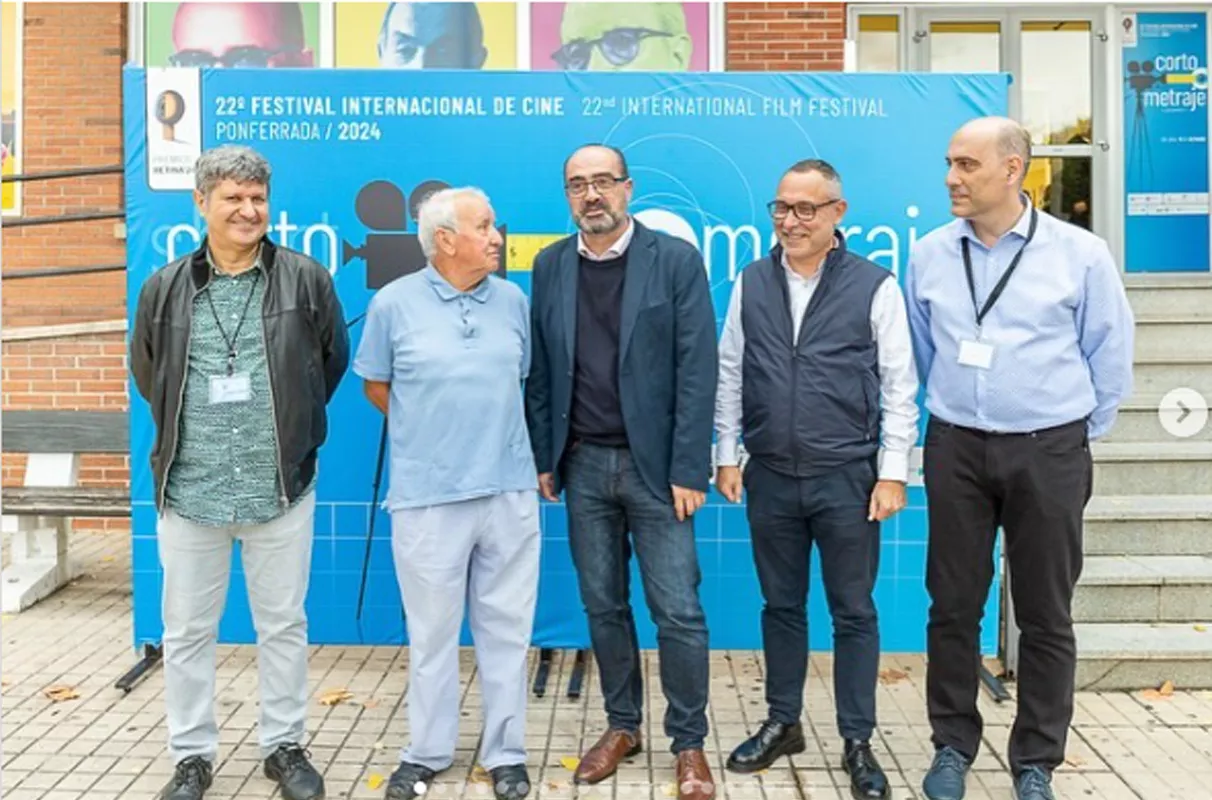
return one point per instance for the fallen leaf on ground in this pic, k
(670, 790)
(374, 781)
(1163, 691)
(1075, 761)
(553, 786)
(379, 745)
(570, 763)
(335, 696)
(58, 694)
(1166, 689)
(1201, 628)
(108, 558)
(888, 676)
(480, 775)
(371, 703)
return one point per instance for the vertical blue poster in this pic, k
(1165, 63)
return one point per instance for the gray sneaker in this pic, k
(945, 780)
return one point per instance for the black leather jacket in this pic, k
(306, 348)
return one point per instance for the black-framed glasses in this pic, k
(804, 211)
(618, 46)
(602, 183)
(247, 56)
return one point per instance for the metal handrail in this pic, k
(51, 175)
(25, 222)
(56, 272)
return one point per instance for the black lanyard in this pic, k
(231, 343)
(1001, 284)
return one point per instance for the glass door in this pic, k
(1054, 57)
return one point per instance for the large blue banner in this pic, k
(1165, 62)
(353, 150)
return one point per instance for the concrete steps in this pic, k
(1143, 607)
(1133, 468)
(1177, 295)
(1175, 336)
(1115, 655)
(1144, 589)
(1139, 421)
(1143, 525)
(1155, 375)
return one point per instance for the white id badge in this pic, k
(975, 354)
(230, 388)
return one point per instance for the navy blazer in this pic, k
(667, 359)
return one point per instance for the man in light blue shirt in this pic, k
(444, 355)
(1023, 337)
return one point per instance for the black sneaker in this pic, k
(510, 782)
(190, 780)
(408, 781)
(297, 778)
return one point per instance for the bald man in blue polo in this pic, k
(444, 355)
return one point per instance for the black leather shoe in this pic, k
(408, 781)
(773, 739)
(867, 780)
(190, 780)
(296, 777)
(510, 782)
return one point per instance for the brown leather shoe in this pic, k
(694, 776)
(603, 758)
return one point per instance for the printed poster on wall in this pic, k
(213, 34)
(426, 35)
(613, 37)
(10, 103)
(1165, 68)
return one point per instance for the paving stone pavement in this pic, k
(104, 744)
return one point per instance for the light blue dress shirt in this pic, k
(456, 362)
(1062, 331)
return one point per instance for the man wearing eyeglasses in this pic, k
(624, 36)
(619, 406)
(817, 379)
(239, 35)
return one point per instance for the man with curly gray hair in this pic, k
(237, 347)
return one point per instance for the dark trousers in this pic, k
(786, 516)
(606, 499)
(1035, 486)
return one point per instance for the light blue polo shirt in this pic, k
(456, 362)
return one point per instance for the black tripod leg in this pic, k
(370, 529)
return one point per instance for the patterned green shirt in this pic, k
(225, 471)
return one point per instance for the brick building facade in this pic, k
(72, 100)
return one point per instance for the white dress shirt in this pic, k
(898, 374)
(614, 251)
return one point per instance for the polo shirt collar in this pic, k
(480, 293)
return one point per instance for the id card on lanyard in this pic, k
(974, 352)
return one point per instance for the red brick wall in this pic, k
(790, 37)
(72, 117)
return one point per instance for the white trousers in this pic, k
(485, 553)
(197, 567)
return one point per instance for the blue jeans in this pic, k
(606, 499)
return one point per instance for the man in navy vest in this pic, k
(619, 401)
(817, 378)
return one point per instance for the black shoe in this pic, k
(510, 782)
(867, 780)
(403, 784)
(190, 780)
(296, 777)
(772, 740)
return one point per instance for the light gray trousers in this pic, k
(197, 567)
(483, 553)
